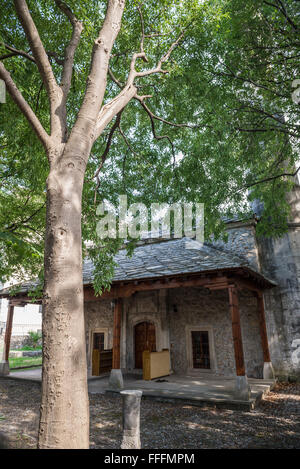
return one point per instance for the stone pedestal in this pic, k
(4, 368)
(5, 442)
(116, 380)
(268, 372)
(242, 389)
(131, 419)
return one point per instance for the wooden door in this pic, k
(200, 348)
(145, 339)
(98, 346)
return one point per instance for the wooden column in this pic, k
(236, 331)
(8, 330)
(262, 327)
(117, 334)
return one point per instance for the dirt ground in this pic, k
(274, 424)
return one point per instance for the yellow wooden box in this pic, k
(156, 364)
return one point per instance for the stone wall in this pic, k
(197, 307)
(280, 259)
(19, 341)
(175, 312)
(145, 306)
(98, 315)
(241, 241)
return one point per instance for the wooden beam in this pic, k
(218, 286)
(263, 327)
(236, 331)
(246, 284)
(125, 291)
(21, 300)
(8, 331)
(116, 291)
(117, 334)
(213, 280)
(18, 302)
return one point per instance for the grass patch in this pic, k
(28, 348)
(24, 361)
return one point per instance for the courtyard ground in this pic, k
(274, 424)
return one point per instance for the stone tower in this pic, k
(280, 260)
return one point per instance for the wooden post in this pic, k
(4, 366)
(242, 388)
(262, 327)
(117, 334)
(236, 331)
(8, 330)
(268, 372)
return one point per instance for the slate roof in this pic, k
(171, 257)
(167, 258)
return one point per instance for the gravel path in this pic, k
(274, 424)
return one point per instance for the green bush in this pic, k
(30, 348)
(34, 339)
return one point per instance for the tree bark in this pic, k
(64, 420)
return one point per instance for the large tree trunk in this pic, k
(64, 421)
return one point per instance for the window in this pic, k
(99, 341)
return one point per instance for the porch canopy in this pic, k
(173, 263)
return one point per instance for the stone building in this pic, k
(179, 301)
(227, 309)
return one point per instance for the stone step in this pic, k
(25, 353)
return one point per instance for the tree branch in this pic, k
(26, 55)
(129, 91)
(15, 52)
(15, 226)
(158, 137)
(72, 46)
(127, 142)
(266, 129)
(105, 153)
(43, 64)
(54, 55)
(146, 108)
(69, 55)
(158, 68)
(24, 107)
(36, 45)
(96, 82)
(142, 27)
(172, 124)
(282, 10)
(271, 178)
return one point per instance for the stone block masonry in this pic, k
(175, 313)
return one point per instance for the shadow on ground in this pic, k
(274, 424)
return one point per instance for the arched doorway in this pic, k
(144, 339)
